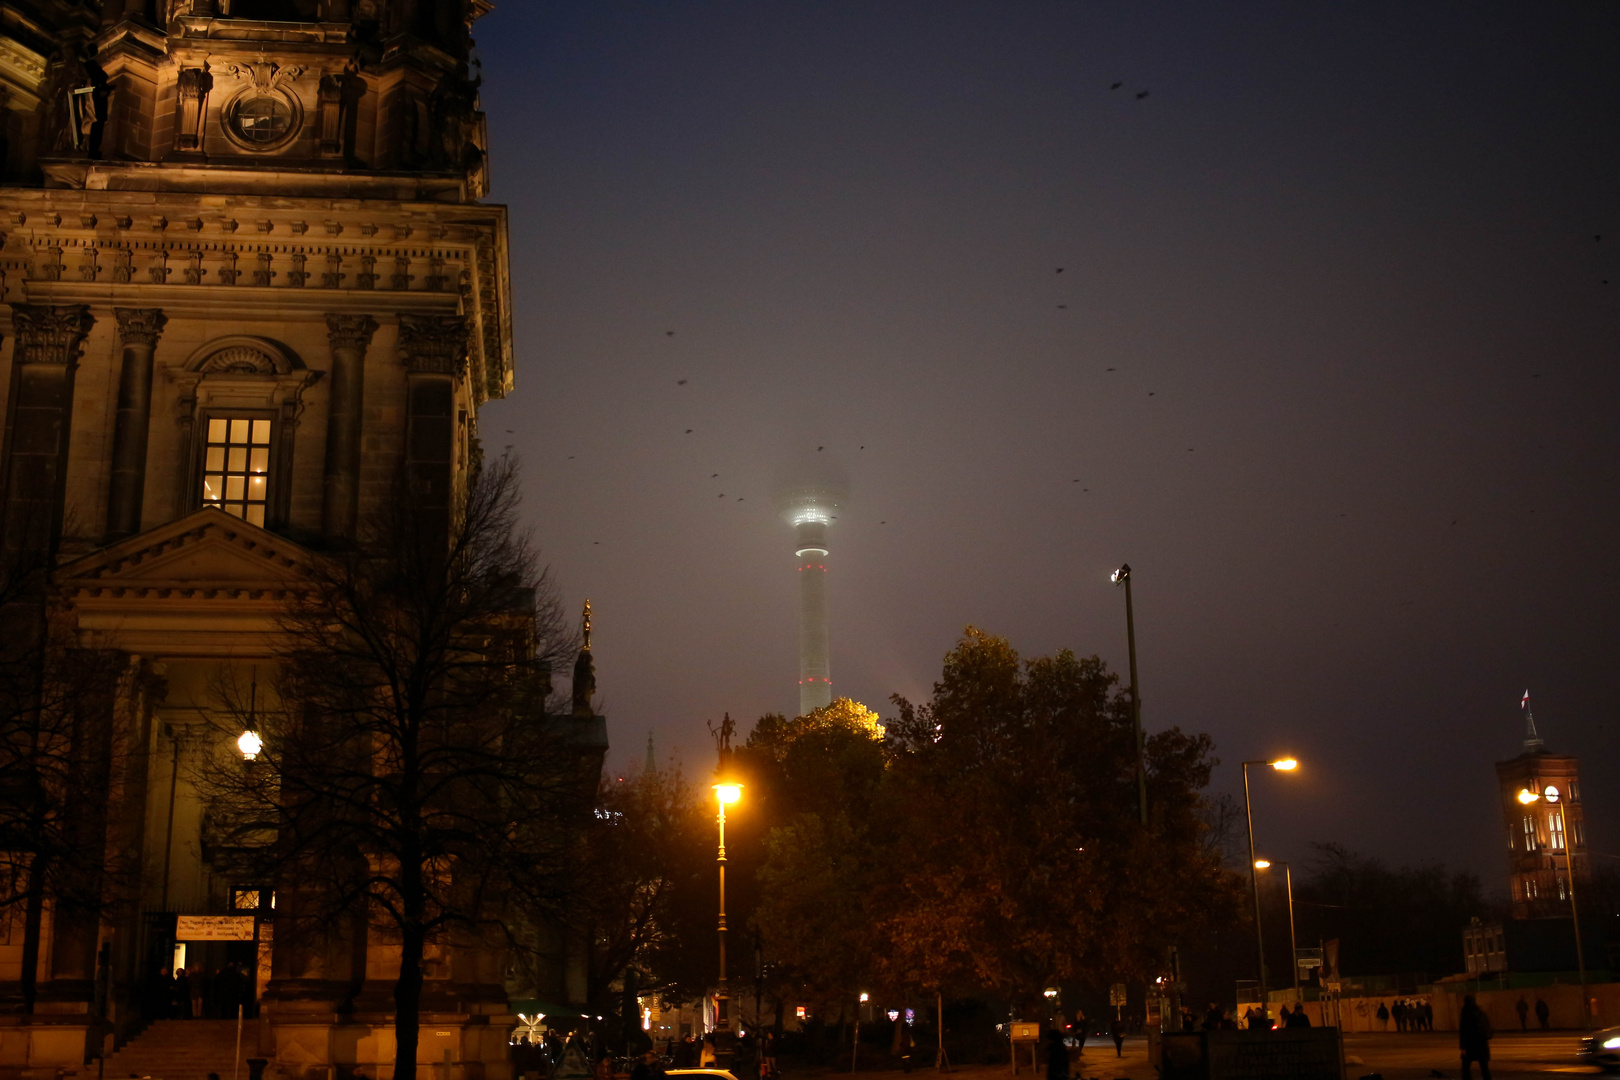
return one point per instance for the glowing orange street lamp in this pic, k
(724, 795)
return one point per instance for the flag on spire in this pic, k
(1532, 740)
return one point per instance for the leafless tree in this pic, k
(411, 779)
(57, 741)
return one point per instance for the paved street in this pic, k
(1395, 1057)
(1411, 1057)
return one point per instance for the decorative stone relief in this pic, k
(239, 360)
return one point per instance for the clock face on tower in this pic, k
(261, 120)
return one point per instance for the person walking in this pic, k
(1116, 1031)
(1474, 1033)
(1383, 1016)
(1542, 1012)
(1057, 1056)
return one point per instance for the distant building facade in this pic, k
(245, 281)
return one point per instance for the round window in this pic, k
(260, 120)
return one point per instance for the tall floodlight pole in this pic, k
(1526, 796)
(811, 510)
(1281, 765)
(1288, 882)
(1122, 576)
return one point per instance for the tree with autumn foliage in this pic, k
(826, 849)
(1019, 860)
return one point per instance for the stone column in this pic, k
(433, 349)
(33, 469)
(349, 335)
(138, 330)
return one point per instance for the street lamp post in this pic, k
(723, 794)
(1122, 576)
(1551, 796)
(1293, 941)
(1281, 765)
(855, 1048)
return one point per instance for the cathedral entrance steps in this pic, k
(183, 1050)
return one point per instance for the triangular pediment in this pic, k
(204, 554)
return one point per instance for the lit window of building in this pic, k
(236, 467)
(1555, 829)
(1529, 833)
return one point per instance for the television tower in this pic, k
(811, 509)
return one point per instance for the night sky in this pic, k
(1330, 361)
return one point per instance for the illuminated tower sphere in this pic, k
(810, 510)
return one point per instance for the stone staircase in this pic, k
(183, 1050)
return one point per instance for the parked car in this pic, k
(1602, 1048)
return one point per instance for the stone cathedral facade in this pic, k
(245, 278)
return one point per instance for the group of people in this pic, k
(1543, 1013)
(1409, 1014)
(192, 993)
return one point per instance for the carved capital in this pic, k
(350, 331)
(139, 326)
(50, 334)
(435, 344)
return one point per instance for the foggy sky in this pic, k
(1359, 444)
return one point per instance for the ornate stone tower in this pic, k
(245, 282)
(1539, 830)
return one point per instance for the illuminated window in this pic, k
(1555, 830)
(1529, 888)
(1563, 893)
(1577, 834)
(1529, 833)
(236, 466)
(1574, 791)
(245, 899)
